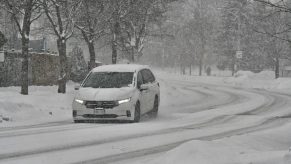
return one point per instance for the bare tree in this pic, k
(273, 24)
(61, 15)
(130, 24)
(92, 23)
(136, 25)
(23, 13)
(278, 6)
(199, 26)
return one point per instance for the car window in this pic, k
(147, 75)
(109, 80)
(152, 77)
(139, 79)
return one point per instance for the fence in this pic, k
(43, 69)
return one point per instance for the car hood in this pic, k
(104, 94)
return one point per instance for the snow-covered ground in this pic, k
(42, 105)
(223, 120)
(244, 149)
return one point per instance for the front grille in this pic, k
(101, 104)
(100, 116)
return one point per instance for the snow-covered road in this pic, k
(252, 119)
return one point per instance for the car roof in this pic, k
(120, 68)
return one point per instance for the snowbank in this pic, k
(42, 105)
(264, 75)
(264, 79)
(215, 152)
(243, 79)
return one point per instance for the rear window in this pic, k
(109, 80)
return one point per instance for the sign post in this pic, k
(238, 55)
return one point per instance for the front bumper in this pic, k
(123, 111)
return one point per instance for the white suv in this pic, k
(117, 92)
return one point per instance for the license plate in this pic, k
(99, 111)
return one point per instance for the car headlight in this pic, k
(79, 101)
(123, 101)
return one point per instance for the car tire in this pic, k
(137, 113)
(154, 112)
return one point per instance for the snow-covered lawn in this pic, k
(42, 105)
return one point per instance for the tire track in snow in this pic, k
(275, 102)
(50, 129)
(213, 121)
(172, 91)
(49, 124)
(270, 123)
(231, 100)
(210, 97)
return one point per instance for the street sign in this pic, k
(239, 54)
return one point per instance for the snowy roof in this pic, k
(119, 68)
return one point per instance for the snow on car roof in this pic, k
(119, 68)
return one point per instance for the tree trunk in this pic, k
(24, 69)
(233, 64)
(114, 39)
(277, 68)
(183, 70)
(132, 54)
(25, 45)
(63, 65)
(203, 42)
(90, 43)
(200, 65)
(114, 52)
(92, 55)
(190, 67)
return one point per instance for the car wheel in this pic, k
(154, 112)
(137, 113)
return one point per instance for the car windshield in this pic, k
(109, 80)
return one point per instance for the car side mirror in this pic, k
(143, 87)
(77, 87)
